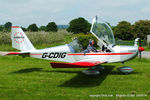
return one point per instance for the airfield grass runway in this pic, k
(34, 79)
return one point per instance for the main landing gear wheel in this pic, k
(91, 72)
(125, 69)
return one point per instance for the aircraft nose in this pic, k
(141, 49)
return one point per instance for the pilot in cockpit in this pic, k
(91, 47)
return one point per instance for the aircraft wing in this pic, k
(80, 64)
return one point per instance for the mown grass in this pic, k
(34, 79)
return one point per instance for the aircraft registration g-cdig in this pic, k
(73, 55)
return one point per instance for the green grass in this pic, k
(34, 79)
(147, 48)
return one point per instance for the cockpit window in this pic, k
(75, 47)
(103, 31)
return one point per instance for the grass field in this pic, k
(34, 79)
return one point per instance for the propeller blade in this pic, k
(139, 42)
(140, 54)
(140, 49)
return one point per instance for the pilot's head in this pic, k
(91, 42)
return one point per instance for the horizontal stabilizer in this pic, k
(8, 53)
(15, 53)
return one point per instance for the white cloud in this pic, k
(146, 9)
(32, 11)
(23, 13)
(117, 10)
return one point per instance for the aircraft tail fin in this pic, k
(19, 39)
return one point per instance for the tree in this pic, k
(141, 29)
(24, 29)
(7, 26)
(1, 28)
(51, 27)
(123, 30)
(33, 28)
(42, 28)
(79, 25)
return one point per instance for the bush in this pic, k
(84, 39)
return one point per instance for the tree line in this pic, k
(50, 27)
(124, 30)
(127, 31)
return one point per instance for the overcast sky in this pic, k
(26, 12)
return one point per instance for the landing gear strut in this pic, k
(93, 70)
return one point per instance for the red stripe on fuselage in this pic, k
(94, 54)
(101, 54)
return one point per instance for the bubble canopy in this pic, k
(103, 32)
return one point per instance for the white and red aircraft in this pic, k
(72, 53)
